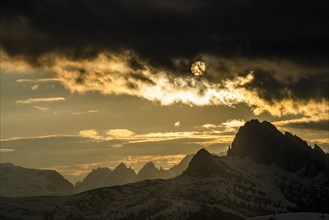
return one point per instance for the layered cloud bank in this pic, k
(127, 74)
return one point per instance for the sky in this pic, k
(95, 83)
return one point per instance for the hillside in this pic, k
(16, 181)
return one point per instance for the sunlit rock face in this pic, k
(198, 68)
(263, 143)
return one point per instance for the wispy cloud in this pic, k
(91, 133)
(37, 80)
(120, 133)
(38, 137)
(129, 137)
(225, 127)
(5, 150)
(41, 108)
(34, 87)
(234, 123)
(85, 112)
(36, 100)
(316, 122)
(177, 124)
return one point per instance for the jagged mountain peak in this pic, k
(264, 143)
(121, 166)
(205, 164)
(122, 169)
(202, 153)
(318, 149)
(147, 168)
(149, 165)
(149, 171)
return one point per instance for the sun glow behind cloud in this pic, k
(114, 74)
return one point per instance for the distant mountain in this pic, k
(204, 164)
(263, 143)
(104, 177)
(121, 175)
(149, 171)
(16, 181)
(95, 179)
(178, 169)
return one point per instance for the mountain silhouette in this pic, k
(121, 175)
(264, 143)
(205, 164)
(105, 177)
(95, 179)
(18, 181)
(149, 171)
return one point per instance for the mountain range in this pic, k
(104, 177)
(18, 181)
(264, 172)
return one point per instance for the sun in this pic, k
(198, 68)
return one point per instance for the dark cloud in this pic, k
(161, 30)
(306, 87)
(171, 35)
(322, 125)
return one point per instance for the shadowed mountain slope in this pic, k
(17, 181)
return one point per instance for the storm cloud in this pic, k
(284, 43)
(161, 30)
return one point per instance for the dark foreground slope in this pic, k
(149, 199)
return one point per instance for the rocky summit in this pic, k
(264, 143)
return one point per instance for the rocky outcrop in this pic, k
(264, 143)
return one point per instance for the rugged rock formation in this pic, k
(263, 143)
